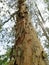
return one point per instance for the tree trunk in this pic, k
(27, 49)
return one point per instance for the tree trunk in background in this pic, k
(27, 49)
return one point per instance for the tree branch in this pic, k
(10, 17)
(39, 12)
(41, 24)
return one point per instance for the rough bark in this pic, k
(27, 49)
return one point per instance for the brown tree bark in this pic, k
(27, 49)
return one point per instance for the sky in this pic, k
(4, 16)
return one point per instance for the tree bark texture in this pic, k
(27, 49)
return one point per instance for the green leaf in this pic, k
(5, 59)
